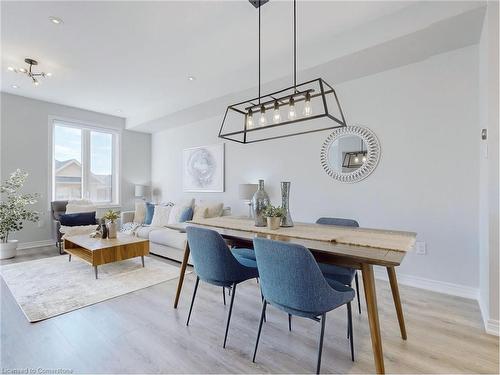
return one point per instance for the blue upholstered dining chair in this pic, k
(291, 280)
(344, 275)
(215, 264)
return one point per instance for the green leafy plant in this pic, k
(14, 209)
(274, 211)
(111, 215)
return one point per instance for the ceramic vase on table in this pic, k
(260, 201)
(8, 249)
(112, 228)
(286, 221)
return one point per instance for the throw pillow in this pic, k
(176, 212)
(186, 215)
(140, 212)
(76, 219)
(161, 215)
(206, 210)
(150, 210)
(74, 207)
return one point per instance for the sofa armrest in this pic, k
(127, 216)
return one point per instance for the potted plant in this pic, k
(112, 226)
(14, 211)
(273, 214)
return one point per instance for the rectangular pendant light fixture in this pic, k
(303, 108)
(308, 107)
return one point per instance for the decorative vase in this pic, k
(273, 223)
(260, 201)
(103, 229)
(112, 228)
(286, 221)
(8, 249)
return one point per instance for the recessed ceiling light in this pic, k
(119, 111)
(15, 86)
(11, 69)
(191, 78)
(22, 70)
(48, 74)
(55, 20)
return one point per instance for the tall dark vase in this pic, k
(260, 201)
(286, 221)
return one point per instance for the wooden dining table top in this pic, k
(349, 255)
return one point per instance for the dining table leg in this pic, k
(391, 272)
(187, 251)
(372, 310)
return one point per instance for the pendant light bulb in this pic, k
(307, 105)
(250, 119)
(262, 120)
(276, 114)
(291, 109)
(356, 159)
(363, 159)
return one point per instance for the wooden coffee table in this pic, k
(96, 251)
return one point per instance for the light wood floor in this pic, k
(141, 333)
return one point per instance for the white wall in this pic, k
(489, 169)
(25, 145)
(425, 116)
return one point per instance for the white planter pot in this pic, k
(8, 249)
(112, 229)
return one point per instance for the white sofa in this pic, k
(165, 242)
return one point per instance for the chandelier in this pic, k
(29, 71)
(266, 116)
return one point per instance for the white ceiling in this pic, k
(132, 59)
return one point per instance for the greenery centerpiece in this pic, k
(14, 211)
(111, 218)
(273, 215)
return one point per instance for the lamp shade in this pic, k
(140, 191)
(247, 191)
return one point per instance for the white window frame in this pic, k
(116, 164)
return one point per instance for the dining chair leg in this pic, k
(323, 322)
(290, 322)
(262, 314)
(357, 291)
(348, 331)
(192, 300)
(224, 295)
(262, 299)
(229, 315)
(349, 322)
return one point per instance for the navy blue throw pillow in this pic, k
(150, 210)
(80, 218)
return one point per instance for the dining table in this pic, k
(359, 257)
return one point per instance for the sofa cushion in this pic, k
(150, 211)
(207, 209)
(140, 212)
(186, 215)
(168, 237)
(143, 231)
(160, 216)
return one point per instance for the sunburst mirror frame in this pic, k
(373, 152)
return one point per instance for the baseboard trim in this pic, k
(492, 327)
(30, 245)
(432, 285)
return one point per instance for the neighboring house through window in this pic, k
(84, 163)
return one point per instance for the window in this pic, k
(84, 163)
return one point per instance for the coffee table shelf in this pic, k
(97, 251)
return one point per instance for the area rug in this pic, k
(52, 286)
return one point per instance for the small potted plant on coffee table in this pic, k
(111, 217)
(273, 215)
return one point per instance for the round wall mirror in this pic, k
(350, 153)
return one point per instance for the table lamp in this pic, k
(246, 194)
(140, 191)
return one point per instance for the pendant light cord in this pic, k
(295, 45)
(260, 5)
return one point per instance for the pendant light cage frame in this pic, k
(322, 98)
